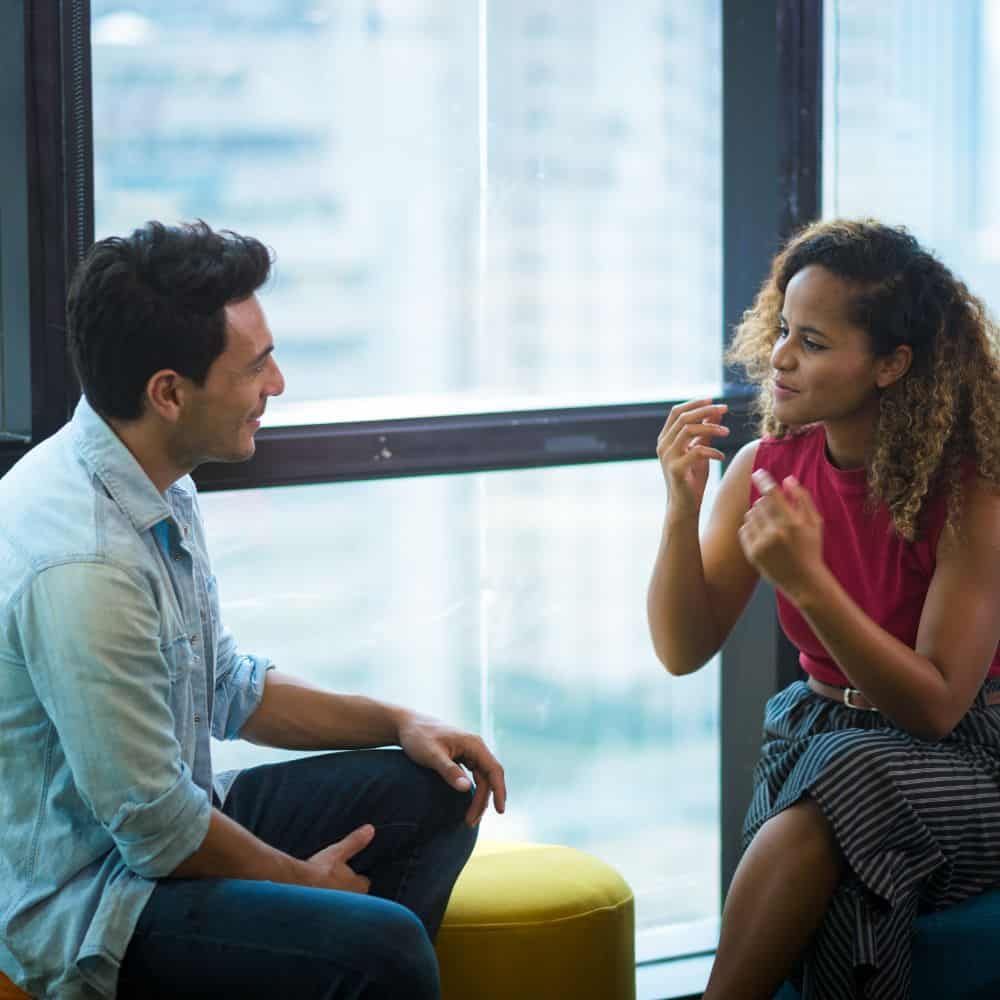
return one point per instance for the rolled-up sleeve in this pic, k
(239, 687)
(90, 636)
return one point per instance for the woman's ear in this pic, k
(893, 366)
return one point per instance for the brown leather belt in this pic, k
(853, 698)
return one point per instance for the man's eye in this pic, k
(782, 331)
(812, 345)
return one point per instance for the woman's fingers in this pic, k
(764, 481)
(693, 411)
(695, 453)
(688, 427)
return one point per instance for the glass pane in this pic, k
(514, 604)
(475, 205)
(912, 112)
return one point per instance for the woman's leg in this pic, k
(777, 900)
(421, 840)
(221, 938)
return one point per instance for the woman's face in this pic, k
(823, 366)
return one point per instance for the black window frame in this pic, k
(772, 104)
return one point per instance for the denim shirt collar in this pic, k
(107, 457)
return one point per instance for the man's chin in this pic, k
(233, 457)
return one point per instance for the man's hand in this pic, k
(328, 869)
(432, 744)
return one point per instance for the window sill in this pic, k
(673, 979)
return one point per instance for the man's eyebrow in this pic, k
(260, 357)
(805, 329)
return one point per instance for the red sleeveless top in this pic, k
(886, 576)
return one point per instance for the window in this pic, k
(912, 101)
(15, 371)
(511, 603)
(566, 177)
(475, 206)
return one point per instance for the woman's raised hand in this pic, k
(685, 447)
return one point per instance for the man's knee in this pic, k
(429, 792)
(402, 958)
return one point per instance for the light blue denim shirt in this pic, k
(114, 671)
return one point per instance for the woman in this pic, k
(872, 504)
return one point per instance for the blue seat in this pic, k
(956, 952)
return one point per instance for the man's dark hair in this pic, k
(154, 300)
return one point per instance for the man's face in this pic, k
(221, 417)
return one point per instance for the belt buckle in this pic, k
(849, 693)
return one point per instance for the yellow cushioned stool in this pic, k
(537, 922)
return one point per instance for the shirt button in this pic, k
(197, 718)
(194, 638)
(177, 557)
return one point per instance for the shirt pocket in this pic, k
(180, 658)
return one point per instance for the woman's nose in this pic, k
(781, 356)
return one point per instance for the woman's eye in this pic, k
(812, 345)
(782, 331)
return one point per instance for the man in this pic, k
(125, 866)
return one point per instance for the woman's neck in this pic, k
(849, 441)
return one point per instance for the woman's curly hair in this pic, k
(939, 419)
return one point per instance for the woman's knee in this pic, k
(804, 827)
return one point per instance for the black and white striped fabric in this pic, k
(918, 822)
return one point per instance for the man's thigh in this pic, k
(224, 938)
(304, 805)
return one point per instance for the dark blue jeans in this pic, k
(248, 940)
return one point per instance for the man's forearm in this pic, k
(296, 716)
(231, 851)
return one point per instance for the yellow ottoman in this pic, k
(537, 922)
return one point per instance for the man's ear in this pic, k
(165, 394)
(894, 366)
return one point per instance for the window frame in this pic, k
(771, 107)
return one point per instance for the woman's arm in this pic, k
(700, 587)
(925, 690)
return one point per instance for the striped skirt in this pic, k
(918, 823)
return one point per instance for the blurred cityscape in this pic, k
(912, 125)
(483, 205)
(506, 200)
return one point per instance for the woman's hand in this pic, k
(782, 535)
(684, 449)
